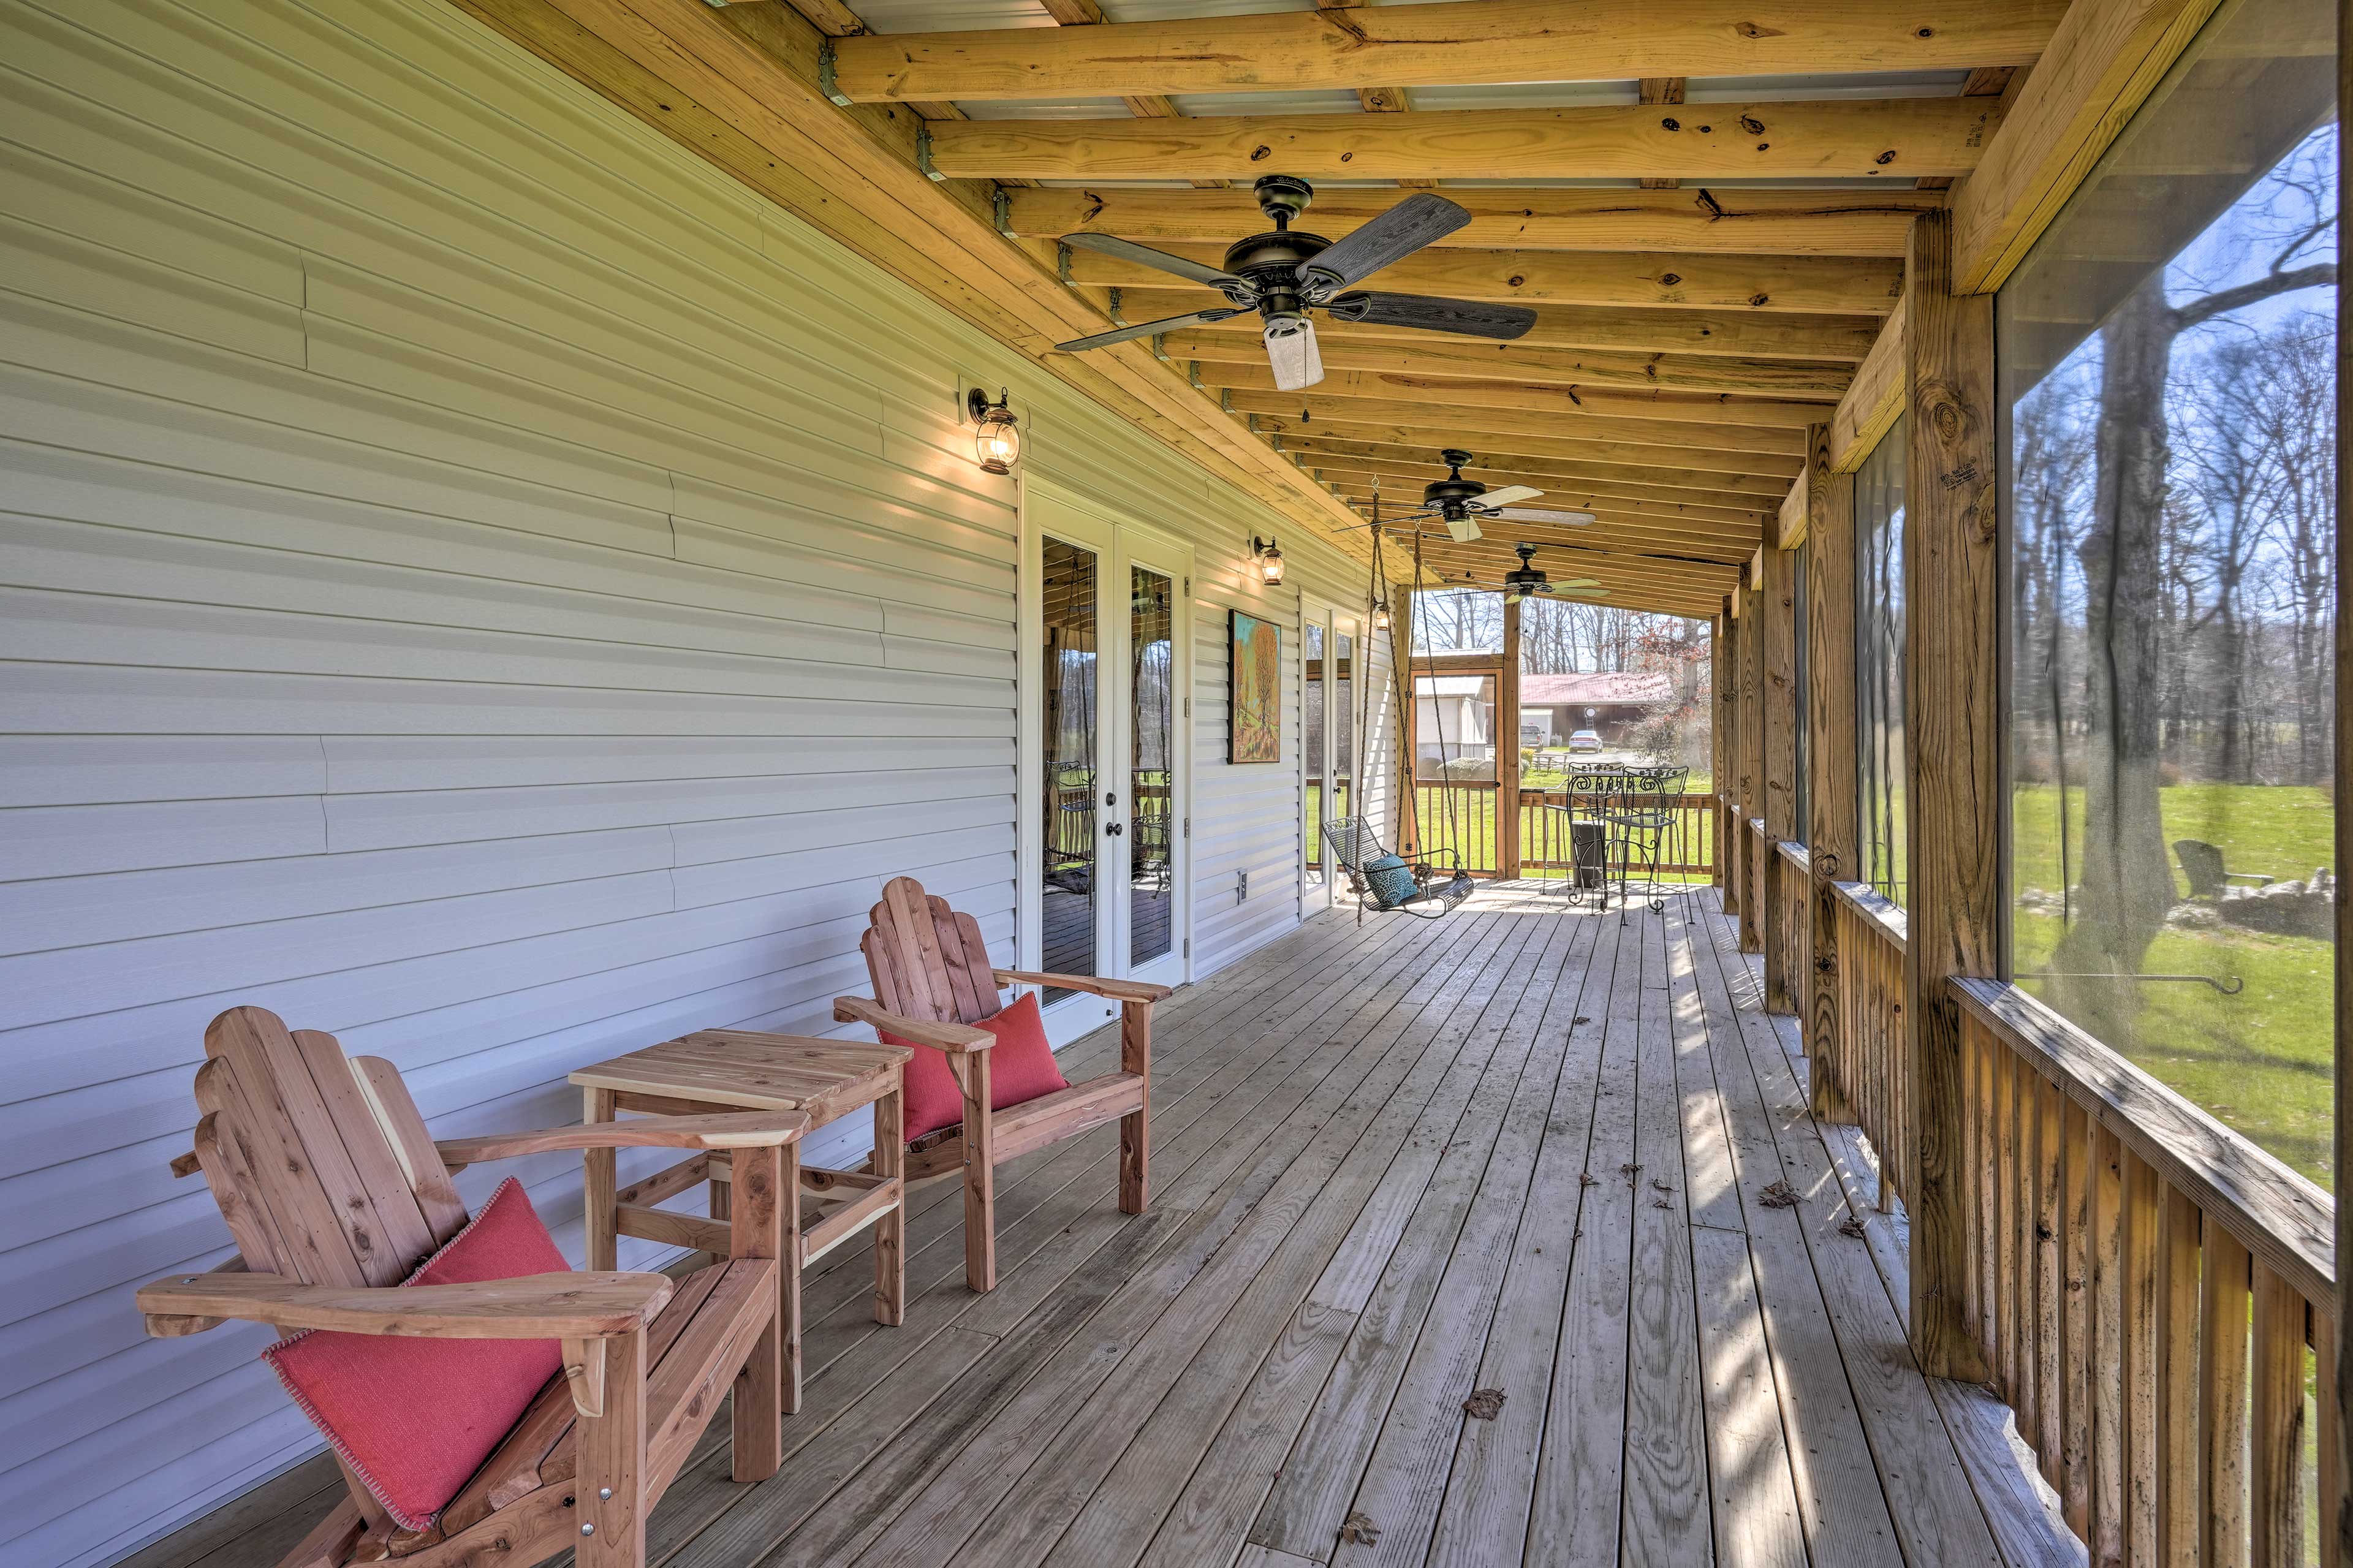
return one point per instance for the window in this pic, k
(2168, 368)
(1879, 660)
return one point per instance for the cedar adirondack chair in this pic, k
(334, 1194)
(933, 982)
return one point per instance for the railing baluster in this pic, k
(2108, 1407)
(2177, 1381)
(2223, 1391)
(2143, 1214)
(2075, 1326)
(2332, 1459)
(2050, 1112)
(2276, 1470)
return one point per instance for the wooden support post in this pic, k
(979, 1171)
(1833, 820)
(1753, 635)
(1407, 826)
(1777, 620)
(1952, 764)
(1717, 724)
(1727, 774)
(1507, 749)
(611, 1458)
(890, 1231)
(600, 1172)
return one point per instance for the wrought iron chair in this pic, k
(1638, 808)
(1383, 881)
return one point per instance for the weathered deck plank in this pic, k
(1523, 1149)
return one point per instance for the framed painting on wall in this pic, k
(1253, 690)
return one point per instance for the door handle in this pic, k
(1115, 829)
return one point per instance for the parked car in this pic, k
(1584, 741)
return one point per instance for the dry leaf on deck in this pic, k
(1358, 1531)
(1484, 1404)
(1778, 1196)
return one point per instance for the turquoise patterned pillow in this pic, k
(1391, 880)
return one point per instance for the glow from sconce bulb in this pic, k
(1291, 350)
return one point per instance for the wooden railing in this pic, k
(1868, 1043)
(2151, 1292)
(1458, 814)
(2145, 1283)
(1792, 930)
(1684, 850)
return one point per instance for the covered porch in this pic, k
(1500, 1237)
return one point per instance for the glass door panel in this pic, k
(1152, 725)
(1072, 672)
(1342, 697)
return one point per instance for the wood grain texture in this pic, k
(1892, 138)
(1437, 355)
(1467, 41)
(1833, 828)
(1953, 769)
(1874, 401)
(1739, 222)
(1783, 982)
(2104, 61)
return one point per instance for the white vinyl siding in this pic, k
(474, 579)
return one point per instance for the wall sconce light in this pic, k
(1269, 556)
(996, 435)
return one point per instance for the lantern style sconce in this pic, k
(1269, 556)
(1380, 614)
(996, 435)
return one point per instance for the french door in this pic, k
(1330, 642)
(1104, 755)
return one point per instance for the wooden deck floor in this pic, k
(1519, 1149)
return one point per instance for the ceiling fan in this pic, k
(1285, 274)
(1528, 582)
(1460, 503)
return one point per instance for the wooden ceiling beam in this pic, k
(1445, 398)
(1630, 531)
(1642, 281)
(1345, 418)
(1441, 353)
(1734, 221)
(1741, 334)
(1896, 139)
(1403, 482)
(1760, 489)
(742, 92)
(1674, 582)
(1464, 42)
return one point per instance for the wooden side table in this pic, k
(734, 1069)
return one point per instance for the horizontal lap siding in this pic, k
(473, 579)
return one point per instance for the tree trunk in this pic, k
(2128, 881)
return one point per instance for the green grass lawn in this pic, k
(2259, 1061)
(2281, 830)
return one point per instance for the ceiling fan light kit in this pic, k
(1287, 272)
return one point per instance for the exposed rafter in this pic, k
(1444, 356)
(1735, 220)
(1896, 139)
(1469, 41)
(1812, 285)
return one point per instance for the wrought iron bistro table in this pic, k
(734, 1069)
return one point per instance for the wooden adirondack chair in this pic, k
(933, 982)
(323, 1171)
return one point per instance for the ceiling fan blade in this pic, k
(1144, 256)
(1465, 530)
(1392, 236)
(1574, 582)
(1291, 350)
(1496, 500)
(1430, 313)
(1538, 514)
(1146, 329)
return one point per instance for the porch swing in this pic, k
(1384, 881)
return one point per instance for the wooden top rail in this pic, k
(1877, 907)
(1797, 855)
(2277, 1215)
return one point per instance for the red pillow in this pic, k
(1020, 1068)
(414, 1419)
